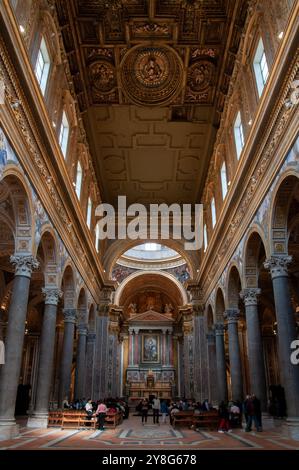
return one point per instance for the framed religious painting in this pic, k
(150, 348)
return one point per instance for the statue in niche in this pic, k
(132, 308)
(168, 308)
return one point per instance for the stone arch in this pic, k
(219, 305)
(92, 318)
(82, 306)
(51, 261)
(119, 247)
(68, 286)
(19, 195)
(162, 279)
(286, 187)
(234, 287)
(254, 243)
(209, 318)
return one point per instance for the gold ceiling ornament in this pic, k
(151, 75)
(192, 4)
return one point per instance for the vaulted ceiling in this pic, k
(151, 79)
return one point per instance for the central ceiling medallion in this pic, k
(151, 76)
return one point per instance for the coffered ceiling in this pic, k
(151, 78)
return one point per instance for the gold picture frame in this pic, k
(151, 348)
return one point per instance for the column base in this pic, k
(38, 420)
(8, 430)
(290, 428)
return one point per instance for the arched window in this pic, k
(64, 133)
(260, 66)
(42, 66)
(79, 180)
(223, 180)
(213, 212)
(239, 135)
(97, 237)
(205, 238)
(89, 208)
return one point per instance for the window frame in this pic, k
(42, 66)
(239, 134)
(213, 212)
(260, 75)
(223, 177)
(89, 212)
(64, 133)
(205, 238)
(79, 179)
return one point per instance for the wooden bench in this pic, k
(77, 419)
(183, 417)
(206, 419)
(55, 418)
(113, 419)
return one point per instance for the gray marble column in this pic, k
(10, 371)
(255, 345)
(286, 331)
(211, 353)
(90, 355)
(220, 362)
(67, 354)
(39, 417)
(81, 361)
(100, 372)
(232, 316)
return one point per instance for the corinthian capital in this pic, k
(52, 295)
(278, 265)
(219, 329)
(24, 265)
(232, 315)
(250, 296)
(69, 315)
(82, 329)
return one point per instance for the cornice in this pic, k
(257, 169)
(50, 181)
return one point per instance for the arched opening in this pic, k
(151, 303)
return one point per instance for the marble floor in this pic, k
(133, 435)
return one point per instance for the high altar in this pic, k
(150, 368)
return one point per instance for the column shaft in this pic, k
(234, 355)
(10, 371)
(255, 346)
(80, 363)
(67, 354)
(220, 363)
(286, 331)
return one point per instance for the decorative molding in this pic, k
(24, 265)
(52, 295)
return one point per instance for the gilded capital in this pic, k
(24, 265)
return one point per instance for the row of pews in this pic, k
(65, 419)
